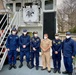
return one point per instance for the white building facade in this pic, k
(34, 15)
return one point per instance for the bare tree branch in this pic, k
(67, 15)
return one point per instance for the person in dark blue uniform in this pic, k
(69, 51)
(35, 49)
(12, 45)
(24, 42)
(56, 53)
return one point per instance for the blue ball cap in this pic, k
(13, 29)
(68, 33)
(24, 30)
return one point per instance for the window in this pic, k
(48, 4)
(10, 5)
(18, 6)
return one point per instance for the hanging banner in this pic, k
(31, 14)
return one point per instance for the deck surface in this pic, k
(26, 71)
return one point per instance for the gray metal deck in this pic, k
(26, 71)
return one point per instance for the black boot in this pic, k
(31, 67)
(14, 66)
(20, 65)
(65, 72)
(59, 71)
(69, 73)
(28, 65)
(55, 70)
(10, 67)
(37, 67)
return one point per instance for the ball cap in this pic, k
(56, 34)
(14, 29)
(35, 32)
(68, 33)
(24, 30)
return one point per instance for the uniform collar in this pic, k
(68, 39)
(45, 39)
(56, 39)
(13, 35)
(24, 35)
(35, 37)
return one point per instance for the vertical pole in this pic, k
(14, 6)
(55, 8)
(43, 8)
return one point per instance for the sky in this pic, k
(59, 2)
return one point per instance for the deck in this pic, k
(26, 71)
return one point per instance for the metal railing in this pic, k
(7, 30)
(2, 18)
(8, 27)
(3, 24)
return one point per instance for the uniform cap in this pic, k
(68, 33)
(24, 30)
(35, 32)
(56, 34)
(13, 29)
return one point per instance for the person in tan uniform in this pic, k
(45, 45)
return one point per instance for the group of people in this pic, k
(30, 47)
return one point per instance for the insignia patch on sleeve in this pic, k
(54, 42)
(37, 39)
(59, 42)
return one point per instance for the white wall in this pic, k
(31, 29)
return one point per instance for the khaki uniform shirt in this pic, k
(45, 43)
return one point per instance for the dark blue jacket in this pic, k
(35, 42)
(56, 46)
(24, 40)
(12, 42)
(69, 47)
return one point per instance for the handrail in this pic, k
(3, 18)
(13, 23)
(3, 47)
(8, 28)
(3, 23)
(3, 33)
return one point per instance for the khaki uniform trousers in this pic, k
(46, 60)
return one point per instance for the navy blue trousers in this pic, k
(68, 64)
(12, 57)
(57, 64)
(36, 56)
(27, 54)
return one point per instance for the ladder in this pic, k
(3, 38)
